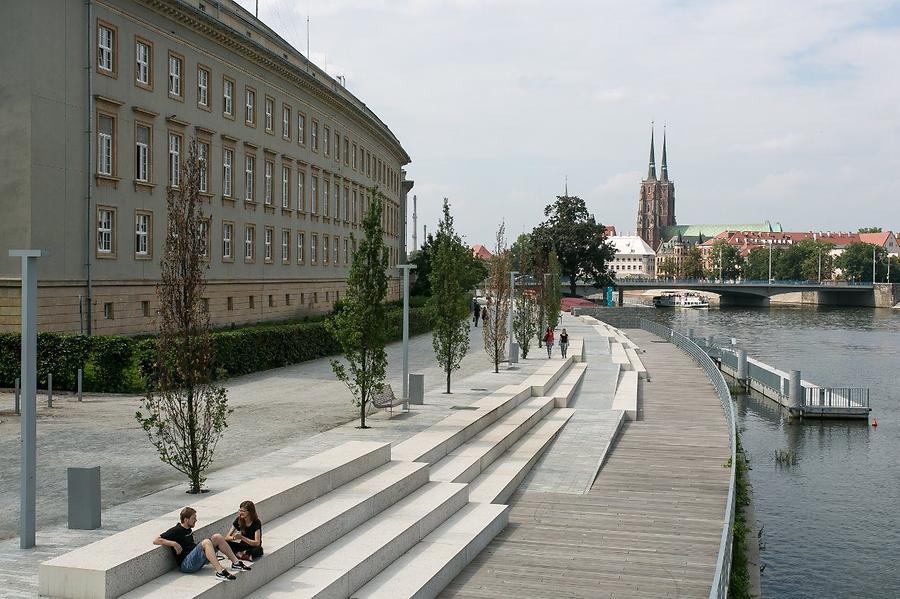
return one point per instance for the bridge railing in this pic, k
(836, 397)
(626, 282)
(721, 578)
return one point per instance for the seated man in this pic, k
(191, 556)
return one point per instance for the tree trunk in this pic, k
(192, 433)
(449, 369)
(572, 285)
(362, 411)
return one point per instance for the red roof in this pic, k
(879, 239)
(479, 251)
(751, 239)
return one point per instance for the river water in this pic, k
(831, 524)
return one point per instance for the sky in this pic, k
(787, 111)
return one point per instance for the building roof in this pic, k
(879, 239)
(631, 244)
(750, 239)
(708, 231)
(481, 252)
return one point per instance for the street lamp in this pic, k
(512, 294)
(874, 247)
(820, 266)
(406, 268)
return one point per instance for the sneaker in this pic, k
(240, 566)
(226, 575)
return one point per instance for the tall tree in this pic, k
(756, 266)
(668, 268)
(184, 413)
(726, 260)
(422, 259)
(856, 262)
(525, 325)
(448, 304)
(692, 267)
(581, 244)
(553, 289)
(360, 326)
(495, 329)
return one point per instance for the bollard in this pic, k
(795, 392)
(18, 393)
(79, 384)
(742, 370)
(50, 390)
(690, 334)
(417, 389)
(513, 353)
(84, 497)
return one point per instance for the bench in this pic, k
(386, 400)
(626, 398)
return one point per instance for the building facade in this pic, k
(104, 99)
(634, 258)
(656, 206)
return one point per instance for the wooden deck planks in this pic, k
(651, 525)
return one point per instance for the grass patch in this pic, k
(739, 586)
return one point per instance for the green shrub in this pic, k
(110, 357)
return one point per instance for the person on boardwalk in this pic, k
(476, 311)
(191, 556)
(548, 341)
(245, 536)
(484, 316)
(563, 342)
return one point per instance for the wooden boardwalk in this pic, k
(652, 522)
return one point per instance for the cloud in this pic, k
(616, 94)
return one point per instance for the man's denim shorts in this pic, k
(194, 560)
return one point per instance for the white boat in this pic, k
(673, 299)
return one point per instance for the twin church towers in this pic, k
(656, 208)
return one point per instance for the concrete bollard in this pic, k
(795, 392)
(50, 390)
(513, 353)
(417, 389)
(18, 395)
(84, 497)
(80, 375)
(742, 370)
(690, 334)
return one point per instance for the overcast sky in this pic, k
(786, 111)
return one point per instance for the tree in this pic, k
(525, 325)
(184, 413)
(668, 268)
(448, 304)
(581, 244)
(855, 262)
(692, 267)
(519, 253)
(726, 260)
(422, 259)
(756, 265)
(817, 259)
(495, 329)
(360, 326)
(870, 230)
(553, 289)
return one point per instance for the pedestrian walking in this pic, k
(484, 316)
(476, 311)
(548, 341)
(563, 342)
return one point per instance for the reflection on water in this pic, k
(831, 523)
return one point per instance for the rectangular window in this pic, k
(203, 160)
(346, 251)
(326, 133)
(326, 188)
(354, 156)
(285, 246)
(271, 301)
(250, 106)
(227, 97)
(337, 201)
(229, 302)
(315, 135)
(106, 48)
(301, 190)
(337, 146)
(268, 180)
(108, 312)
(267, 243)
(106, 221)
(314, 195)
(248, 177)
(142, 61)
(313, 248)
(249, 242)
(174, 159)
(301, 247)
(346, 151)
(325, 249)
(285, 187)
(286, 122)
(335, 258)
(346, 203)
(252, 301)
(105, 132)
(368, 164)
(301, 129)
(270, 114)
(142, 234)
(176, 68)
(227, 241)
(203, 234)
(354, 206)
(203, 87)
(142, 153)
(145, 308)
(227, 172)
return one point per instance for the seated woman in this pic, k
(245, 536)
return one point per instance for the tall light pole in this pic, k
(512, 294)
(770, 261)
(874, 247)
(721, 263)
(820, 266)
(406, 268)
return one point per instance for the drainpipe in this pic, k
(89, 133)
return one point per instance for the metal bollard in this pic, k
(416, 389)
(84, 497)
(18, 394)
(79, 383)
(50, 390)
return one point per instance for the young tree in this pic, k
(668, 268)
(494, 330)
(855, 262)
(449, 303)
(184, 413)
(692, 267)
(360, 326)
(554, 289)
(525, 325)
(726, 260)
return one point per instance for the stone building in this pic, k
(103, 98)
(656, 206)
(634, 258)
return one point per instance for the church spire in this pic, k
(651, 171)
(664, 170)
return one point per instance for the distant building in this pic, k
(481, 252)
(610, 231)
(634, 258)
(887, 240)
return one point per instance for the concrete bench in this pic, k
(547, 375)
(562, 393)
(618, 355)
(636, 364)
(126, 560)
(626, 398)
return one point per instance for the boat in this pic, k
(673, 299)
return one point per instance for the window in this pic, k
(227, 173)
(354, 156)
(287, 299)
(267, 243)
(142, 153)
(176, 67)
(248, 176)
(362, 159)
(313, 248)
(315, 136)
(337, 200)
(285, 187)
(346, 151)
(301, 188)
(368, 164)
(106, 222)
(229, 302)
(326, 133)
(354, 205)
(145, 308)
(301, 129)
(142, 234)
(106, 127)
(335, 258)
(325, 249)
(346, 203)
(203, 87)
(228, 97)
(285, 246)
(203, 159)
(301, 246)
(143, 58)
(227, 241)
(271, 301)
(249, 242)
(268, 180)
(250, 106)
(106, 49)
(346, 251)
(252, 302)
(286, 122)
(203, 234)
(337, 146)
(174, 159)
(326, 187)
(270, 110)
(314, 195)
(108, 313)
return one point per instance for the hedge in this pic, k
(117, 364)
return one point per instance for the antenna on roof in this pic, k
(257, 9)
(307, 42)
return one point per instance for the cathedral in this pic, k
(656, 208)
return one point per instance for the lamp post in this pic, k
(820, 266)
(874, 247)
(406, 268)
(512, 294)
(770, 261)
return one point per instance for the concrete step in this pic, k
(546, 376)
(343, 567)
(501, 478)
(426, 569)
(636, 364)
(618, 355)
(467, 461)
(626, 397)
(299, 534)
(126, 560)
(564, 390)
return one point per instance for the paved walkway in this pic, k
(650, 525)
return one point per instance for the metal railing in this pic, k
(836, 397)
(743, 282)
(721, 578)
